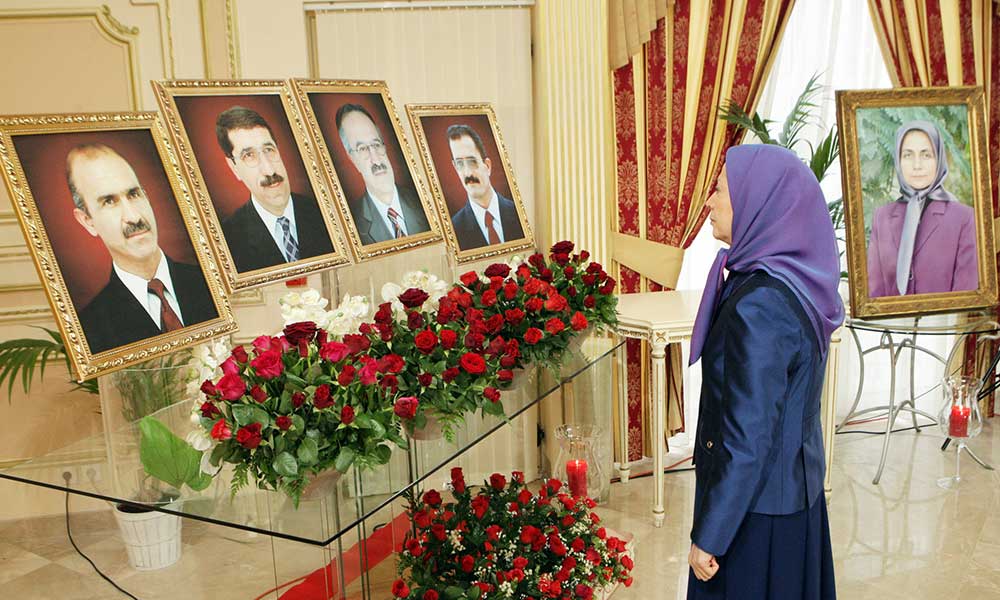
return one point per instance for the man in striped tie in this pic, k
(487, 219)
(386, 211)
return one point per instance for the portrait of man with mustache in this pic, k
(386, 210)
(487, 219)
(147, 292)
(274, 225)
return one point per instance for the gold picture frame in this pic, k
(252, 254)
(888, 151)
(324, 102)
(479, 131)
(117, 162)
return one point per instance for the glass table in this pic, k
(353, 528)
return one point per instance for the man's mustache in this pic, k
(471, 179)
(379, 168)
(270, 180)
(135, 228)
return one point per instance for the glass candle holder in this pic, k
(578, 465)
(959, 418)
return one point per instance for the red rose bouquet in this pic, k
(294, 405)
(504, 541)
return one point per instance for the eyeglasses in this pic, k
(466, 163)
(376, 147)
(251, 156)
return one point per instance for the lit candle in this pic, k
(958, 423)
(576, 473)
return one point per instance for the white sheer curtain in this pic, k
(835, 39)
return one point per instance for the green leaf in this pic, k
(285, 403)
(243, 414)
(382, 454)
(298, 422)
(284, 464)
(308, 452)
(474, 592)
(260, 416)
(167, 457)
(453, 593)
(363, 421)
(344, 460)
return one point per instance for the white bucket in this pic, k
(152, 539)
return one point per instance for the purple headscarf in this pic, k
(780, 225)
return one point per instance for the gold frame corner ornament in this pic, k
(416, 112)
(864, 306)
(85, 364)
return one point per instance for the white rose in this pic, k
(199, 440)
(391, 291)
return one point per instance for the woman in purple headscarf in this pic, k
(925, 241)
(760, 523)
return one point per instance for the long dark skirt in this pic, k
(785, 557)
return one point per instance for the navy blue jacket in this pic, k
(759, 445)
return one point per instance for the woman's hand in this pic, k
(702, 563)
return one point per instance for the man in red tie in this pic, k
(386, 211)
(147, 293)
(487, 219)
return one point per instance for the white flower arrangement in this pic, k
(311, 306)
(435, 287)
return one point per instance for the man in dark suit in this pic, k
(385, 211)
(275, 225)
(487, 219)
(147, 292)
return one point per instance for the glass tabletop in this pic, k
(107, 466)
(979, 322)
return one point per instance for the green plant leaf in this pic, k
(284, 464)
(363, 421)
(167, 457)
(298, 423)
(453, 593)
(243, 414)
(308, 452)
(260, 416)
(344, 460)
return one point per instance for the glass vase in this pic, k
(959, 418)
(578, 465)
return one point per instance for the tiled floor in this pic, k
(903, 539)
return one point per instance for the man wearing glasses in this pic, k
(487, 219)
(276, 225)
(385, 211)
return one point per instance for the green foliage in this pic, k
(151, 386)
(22, 358)
(168, 458)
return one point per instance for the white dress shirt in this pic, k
(271, 222)
(383, 209)
(480, 212)
(139, 287)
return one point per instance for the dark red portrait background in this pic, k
(198, 114)
(436, 130)
(325, 106)
(83, 260)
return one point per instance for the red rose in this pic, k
(571, 292)
(258, 393)
(432, 498)
(463, 299)
(303, 348)
(430, 595)
(594, 268)
(425, 341)
(384, 313)
(298, 398)
(229, 367)
(578, 321)
(469, 279)
(474, 341)
(356, 343)
(489, 298)
(584, 592)
(406, 407)
(602, 533)
(439, 532)
(390, 382)
(208, 388)
(524, 497)
(391, 363)
(473, 363)
(413, 297)
(514, 316)
(578, 545)
(221, 430)
(492, 394)
(627, 563)
(563, 247)
(533, 304)
(589, 279)
(554, 326)
(510, 290)
(494, 323)
(249, 436)
(422, 519)
(497, 270)
(556, 303)
(334, 351)
(269, 364)
(545, 275)
(283, 422)
(561, 259)
(508, 362)
(532, 336)
(385, 331)
(414, 320)
(498, 481)
(450, 374)
(302, 331)
(448, 339)
(608, 287)
(209, 410)
(262, 343)
(505, 374)
(321, 397)
(231, 386)
(240, 355)
(457, 480)
(346, 376)
(479, 506)
(569, 272)
(399, 589)
(589, 301)
(568, 521)
(533, 286)
(468, 563)
(347, 415)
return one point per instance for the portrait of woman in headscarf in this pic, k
(925, 240)
(762, 333)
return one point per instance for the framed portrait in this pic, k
(382, 201)
(255, 178)
(917, 200)
(114, 236)
(471, 179)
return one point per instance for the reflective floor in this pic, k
(905, 538)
